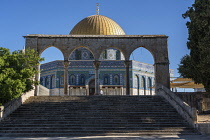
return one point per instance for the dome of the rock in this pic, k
(97, 25)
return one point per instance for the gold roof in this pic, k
(97, 25)
(184, 83)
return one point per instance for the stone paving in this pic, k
(169, 137)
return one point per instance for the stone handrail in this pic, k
(187, 112)
(12, 105)
(43, 91)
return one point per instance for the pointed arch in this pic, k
(149, 84)
(142, 54)
(116, 79)
(52, 85)
(82, 79)
(143, 84)
(112, 53)
(51, 53)
(136, 83)
(62, 80)
(81, 53)
(106, 79)
(72, 79)
(47, 82)
(42, 81)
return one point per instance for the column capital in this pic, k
(66, 63)
(96, 64)
(127, 63)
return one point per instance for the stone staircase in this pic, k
(48, 116)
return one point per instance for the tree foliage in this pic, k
(17, 70)
(197, 64)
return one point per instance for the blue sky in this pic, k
(137, 17)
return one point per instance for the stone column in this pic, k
(116, 91)
(66, 65)
(37, 78)
(87, 90)
(106, 90)
(127, 65)
(70, 91)
(162, 75)
(97, 88)
(121, 92)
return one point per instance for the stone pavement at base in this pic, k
(171, 137)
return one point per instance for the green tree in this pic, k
(17, 70)
(196, 65)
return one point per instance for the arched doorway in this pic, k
(143, 85)
(53, 57)
(143, 65)
(92, 87)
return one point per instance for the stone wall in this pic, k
(11, 106)
(204, 128)
(187, 112)
(43, 91)
(199, 100)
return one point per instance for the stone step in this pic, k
(152, 106)
(92, 120)
(98, 122)
(100, 107)
(94, 115)
(88, 131)
(89, 126)
(74, 134)
(99, 117)
(67, 111)
(75, 117)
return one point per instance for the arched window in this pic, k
(143, 84)
(106, 79)
(105, 54)
(149, 81)
(116, 80)
(82, 79)
(41, 81)
(72, 80)
(61, 79)
(118, 55)
(136, 83)
(53, 81)
(47, 82)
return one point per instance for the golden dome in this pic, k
(97, 25)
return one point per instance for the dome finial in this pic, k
(97, 8)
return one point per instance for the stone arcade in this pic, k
(96, 57)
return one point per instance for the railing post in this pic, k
(97, 88)
(66, 64)
(1, 112)
(195, 115)
(127, 66)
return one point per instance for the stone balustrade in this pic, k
(12, 105)
(187, 112)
